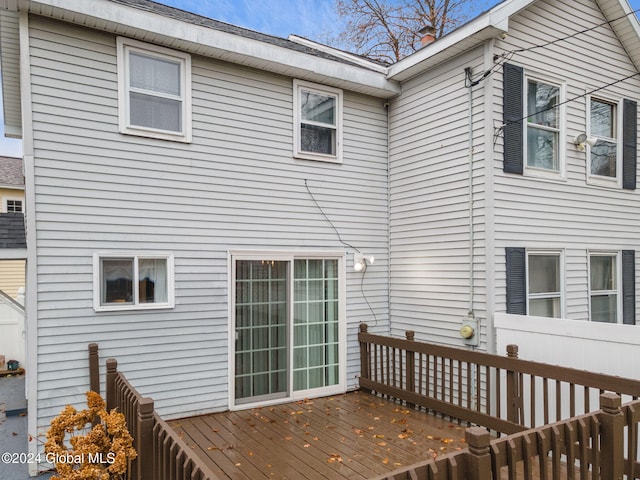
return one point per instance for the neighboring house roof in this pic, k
(12, 231)
(11, 173)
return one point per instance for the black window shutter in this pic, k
(516, 281)
(629, 147)
(629, 287)
(512, 112)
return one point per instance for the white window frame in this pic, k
(617, 291)
(6, 201)
(135, 305)
(124, 47)
(298, 87)
(559, 174)
(341, 385)
(561, 265)
(599, 179)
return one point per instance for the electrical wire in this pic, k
(575, 34)
(506, 56)
(327, 218)
(373, 313)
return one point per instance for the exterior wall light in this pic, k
(360, 261)
(582, 141)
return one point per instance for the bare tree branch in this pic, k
(387, 30)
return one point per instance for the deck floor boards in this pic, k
(355, 435)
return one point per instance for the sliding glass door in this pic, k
(287, 326)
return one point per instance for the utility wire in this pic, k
(506, 56)
(575, 34)
(373, 313)
(327, 218)
(584, 95)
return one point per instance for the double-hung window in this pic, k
(533, 116)
(132, 281)
(317, 122)
(543, 126)
(544, 275)
(604, 156)
(154, 91)
(604, 287)
(535, 282)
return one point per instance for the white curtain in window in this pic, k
(155, 270)
(116, 269)
(154, 74)
(602, 273)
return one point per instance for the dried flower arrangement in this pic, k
(100, 452)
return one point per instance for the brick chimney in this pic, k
(427, 35)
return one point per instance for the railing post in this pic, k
(94, 368)
(478, 457)
(112, 371)
(364, 355)
(612, 438)
(410, 384)
(512, 388)
(144, 442)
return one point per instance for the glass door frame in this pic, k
(290, 257)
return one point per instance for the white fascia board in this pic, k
(231, 47)
(489, 24)
(626, 26)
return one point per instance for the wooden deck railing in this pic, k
(505, 394)
(602, 445)
(162, 455)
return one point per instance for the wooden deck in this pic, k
(355, 435)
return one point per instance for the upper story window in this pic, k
(533, 124)
(604, 157)
(124, 281)
(543, 126)
(13, 206)
(154, 91)
(317, 122)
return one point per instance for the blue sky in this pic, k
(314, 19)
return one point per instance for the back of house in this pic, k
(220, 209)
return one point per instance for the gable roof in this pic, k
(495, 22)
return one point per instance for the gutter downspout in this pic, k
(387, 106)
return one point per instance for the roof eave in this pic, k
(146, 26)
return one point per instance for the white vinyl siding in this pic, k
(430, 201)
(574, 215)
(235, 186)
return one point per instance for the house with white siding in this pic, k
(220, 209)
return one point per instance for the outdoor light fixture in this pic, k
(582, 141)
(360, 261)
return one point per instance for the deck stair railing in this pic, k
(505, 394)
(162, 454)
